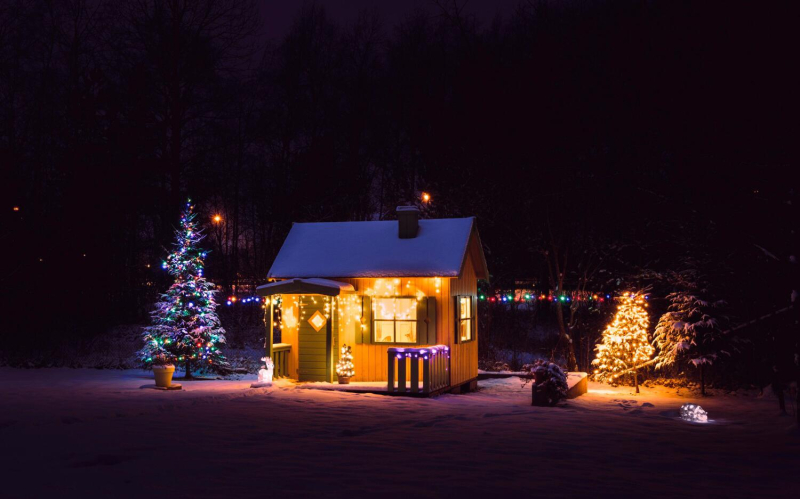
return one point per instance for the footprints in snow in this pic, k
(632, 406)
(438, 419)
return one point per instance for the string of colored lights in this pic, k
(580, 296)
(499, 297)
(233, 299)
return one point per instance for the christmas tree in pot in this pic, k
(345, 368)
(185, 326)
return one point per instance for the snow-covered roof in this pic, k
(373, 249)
(306, 286)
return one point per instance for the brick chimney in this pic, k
(407, 222)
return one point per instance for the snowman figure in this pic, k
(265, 373)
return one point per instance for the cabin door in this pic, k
(315, 340)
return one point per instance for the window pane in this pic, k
(465, 303)
(406, 309)
(406, 331)
(384, 308)
(464, 330)
(384, 332)
(395, 320)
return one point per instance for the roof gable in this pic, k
(373, 249)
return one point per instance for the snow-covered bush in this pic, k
(549, 383)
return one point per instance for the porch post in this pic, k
(329, 345)
(271, 326)
(391, 352)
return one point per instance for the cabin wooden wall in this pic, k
(370, 360)
(464, 356)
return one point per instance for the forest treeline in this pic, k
(600, 144)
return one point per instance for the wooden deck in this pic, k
(577, 384)
(375, 387)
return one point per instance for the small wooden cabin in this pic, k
(402, 293)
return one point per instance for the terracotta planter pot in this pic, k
(163, 375)
(344, 380)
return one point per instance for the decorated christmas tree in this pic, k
(345, 368)
(185, 328)
(624, 345)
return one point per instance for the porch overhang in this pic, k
(307, 286)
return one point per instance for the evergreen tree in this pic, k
(185, 326)
(688, 333)
(624, 345)
(345, 366)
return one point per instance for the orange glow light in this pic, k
(16, 208)
(426, 198)
(217, 219)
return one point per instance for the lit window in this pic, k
(395, 320)
(464, 318)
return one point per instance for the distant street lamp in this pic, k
(217, 219)
(426, 198)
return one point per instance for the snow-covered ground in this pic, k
(96, 433)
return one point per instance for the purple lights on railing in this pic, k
(419, 370)
(417, 353)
